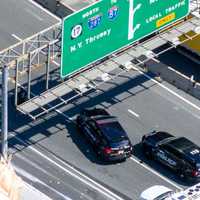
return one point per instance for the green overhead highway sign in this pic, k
(108, 25)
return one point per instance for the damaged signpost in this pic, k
(108, 25)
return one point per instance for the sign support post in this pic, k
(4, 131)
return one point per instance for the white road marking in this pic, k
(45, 10)
(133, 113)
(155, 172)
(82, 177)
(16, 37)
(169, 90)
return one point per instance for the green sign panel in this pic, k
(109, 25)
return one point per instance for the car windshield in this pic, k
(112, 130)
(163, 196)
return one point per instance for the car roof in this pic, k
(181, 144)
(186, 147)
(153, 192)
(110, 128)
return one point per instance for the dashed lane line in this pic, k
(133, 113)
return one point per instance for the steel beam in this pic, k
(16, 81)
(4, 132)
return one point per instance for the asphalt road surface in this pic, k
(20, 20)
(50, 149)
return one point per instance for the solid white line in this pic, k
(154, 172)
(86, 180)
(16, 37)
(133, 113)
(45, 10)
(169, 90)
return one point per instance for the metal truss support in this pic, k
(36, 43)
(36, 51)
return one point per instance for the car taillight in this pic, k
(195, 173)
(107, 150)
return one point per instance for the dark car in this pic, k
(104, 132)
(177, 153)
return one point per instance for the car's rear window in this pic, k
(182, 144)
(112, 130)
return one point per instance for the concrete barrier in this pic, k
(181, 81)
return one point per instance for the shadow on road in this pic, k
(33, 132)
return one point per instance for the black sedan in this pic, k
(104, 132)
(178, 153)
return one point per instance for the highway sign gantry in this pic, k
(108, 25)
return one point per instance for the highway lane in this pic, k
(109, 176)
(20, 20)
(55, 178)
(154, 107)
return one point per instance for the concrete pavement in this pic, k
(29, 192)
